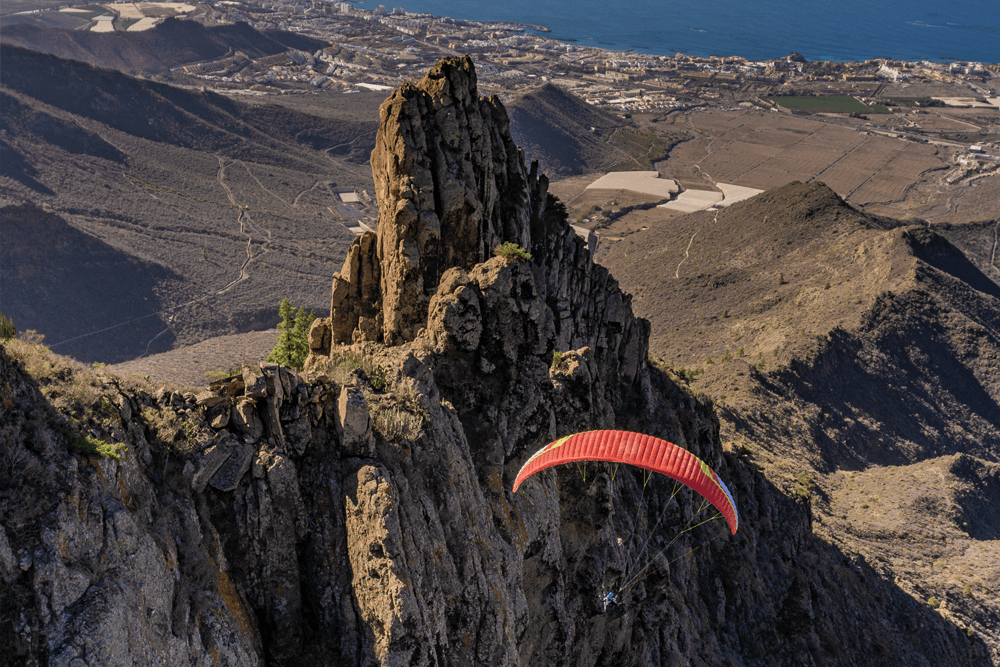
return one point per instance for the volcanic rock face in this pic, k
(452, 187)
(361, 514)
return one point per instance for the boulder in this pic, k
(208, 464)
(255, 383)
(228, 476)
(244, 417)
(209, 399)
(354, 423)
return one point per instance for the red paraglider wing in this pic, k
(640, 450)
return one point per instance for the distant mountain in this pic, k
(568, 136)
(171, 43)
(857, 356)
(564, 133)
(204, 211)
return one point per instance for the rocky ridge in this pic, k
(360, 513)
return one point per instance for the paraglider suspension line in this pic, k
(666, 505)
(646, 476)
(638, 576)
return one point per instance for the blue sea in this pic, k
(849, 30)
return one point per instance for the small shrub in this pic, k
(781, 279)
(805, 485)
(91, 446)
(344, 363)
(726, 356)
(7, 328)
(38, 360)
(934, 602)
(556, 356)
(399, 415)
(967, 590)
(739, 352)
(378, 379)
(688, 375)
(222, 375)
(397, 423)
(511, 252)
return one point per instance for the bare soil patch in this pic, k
(196, 365)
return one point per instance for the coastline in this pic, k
(725, 36)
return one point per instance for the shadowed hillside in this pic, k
(233, 202)
(854, 357)
(568, 136)
(158, 112)
(169, 44)
(62, 281)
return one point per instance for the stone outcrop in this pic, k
(452, 187)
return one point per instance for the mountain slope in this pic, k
(232, 204)
(169, 44)
(554, 127)
(852, 350)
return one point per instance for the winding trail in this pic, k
(247, 226)
(993, 257)
(687, 253)
(262, 186)
(295, 203)
(359, 137)
(221, 176)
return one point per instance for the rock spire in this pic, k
(451, 187)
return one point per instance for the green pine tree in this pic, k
(293, 342)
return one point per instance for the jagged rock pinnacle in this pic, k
(451, 187)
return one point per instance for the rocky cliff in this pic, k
(452, 187)
(360, 513)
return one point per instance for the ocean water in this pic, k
(851, 30)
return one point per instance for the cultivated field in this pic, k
(126, 10)
(105, 25)
(690, 201)
(765, 150)
(145, 23)
(827, 104)
(646, 182)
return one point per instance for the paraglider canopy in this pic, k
(640, 450)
